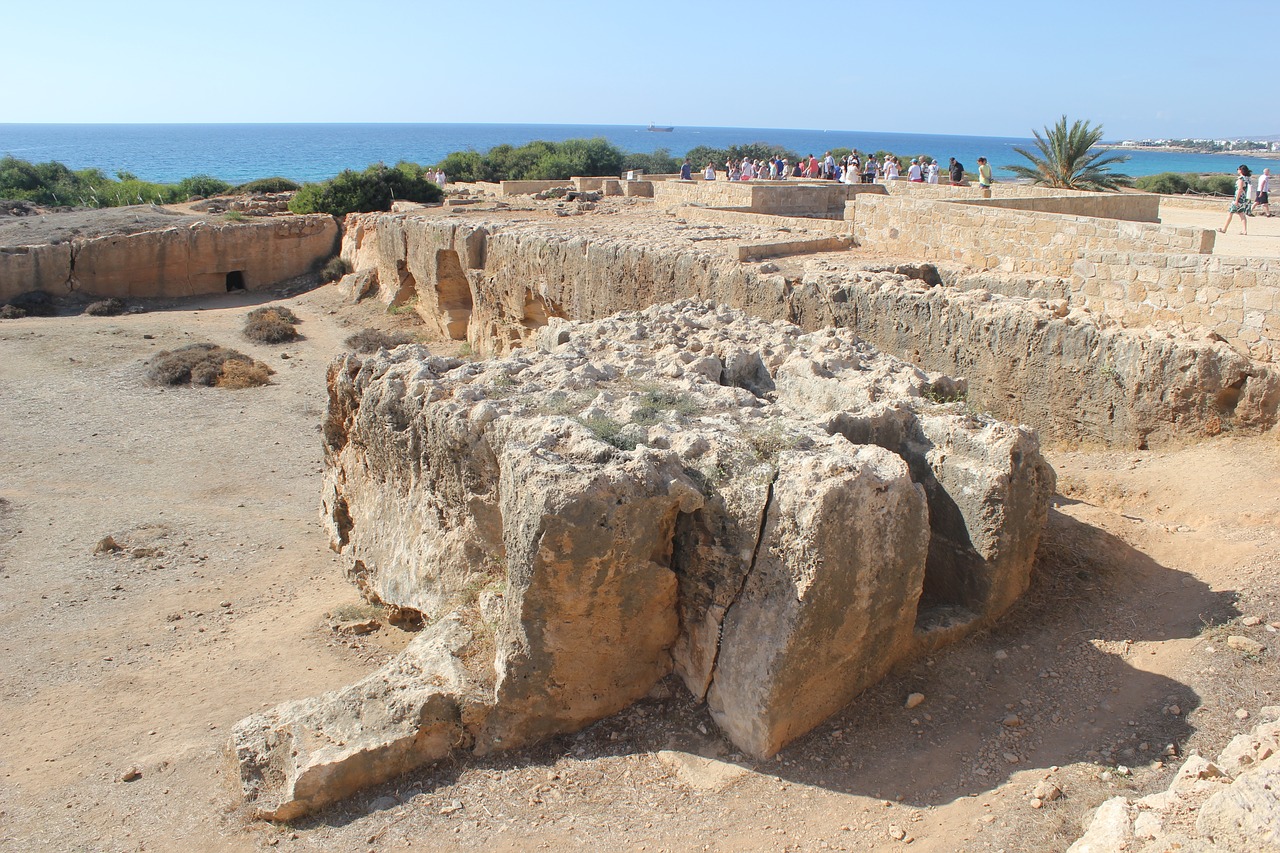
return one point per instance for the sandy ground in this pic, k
(1262, 241)
(215, 608)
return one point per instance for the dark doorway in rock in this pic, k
(235, 280)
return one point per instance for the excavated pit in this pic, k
(778, 517)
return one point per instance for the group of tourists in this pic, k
(1249, 198)
(852, 168)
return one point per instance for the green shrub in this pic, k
(234, 216)
(610, 432)
(1174, 183)
(1167, 183)
(269, 185)
(372, 340)
(660, 162)
(538, 160)
(105, 307)
(362, 192)
(202, 186)
(702, 155)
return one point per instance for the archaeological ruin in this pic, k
(776, 438)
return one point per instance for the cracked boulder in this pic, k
(778, 517)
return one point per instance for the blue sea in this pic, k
(310, 152)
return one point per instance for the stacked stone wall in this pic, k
(1238, 298)
(1013, 241)
(1131, 207)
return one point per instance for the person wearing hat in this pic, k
(915, 174)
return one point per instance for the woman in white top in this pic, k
(710, 173)
(932, 172)
(892, 169)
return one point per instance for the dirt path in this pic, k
(215, 608)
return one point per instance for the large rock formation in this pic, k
(777, 516)
(1071, 374)
(186, 259)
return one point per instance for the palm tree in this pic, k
(1068, 160)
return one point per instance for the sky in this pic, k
(1142, 69)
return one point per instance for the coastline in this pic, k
(1180, 149)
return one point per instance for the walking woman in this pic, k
(1241, 205)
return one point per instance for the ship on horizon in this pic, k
(657, 129)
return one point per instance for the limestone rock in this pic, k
(1110, 830)
(1246, 815)
(306, 754)
(683, 488)
(1247, 645)
(829, 600)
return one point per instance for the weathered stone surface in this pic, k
(303, 755)
(184, 260)
(1073, 376)
(1205, 808)
(829, 602)
(1246, 815)
(686, 488)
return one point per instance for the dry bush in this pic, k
(271, 325)
(105, 307)
(206, 364)
(237, 374)
(372, 340)
(280, 311)
(12, 312)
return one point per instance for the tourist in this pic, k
(686, 170)
(956, 171)
(851, 173)
(829, 165)
(932, 172)
(984, 174)
(915, 174)
(869, 170)
(891, 168)
(440, 181)
(798, 170)
(1264, 186)
(1240, 204)
(710, 172)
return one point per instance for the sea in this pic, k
(167, 153)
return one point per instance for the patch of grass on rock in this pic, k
(207, 364)
(271, 325)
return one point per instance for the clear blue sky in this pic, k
(995, 68)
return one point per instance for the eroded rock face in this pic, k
(777, 516)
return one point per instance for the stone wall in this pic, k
(1072, 378)
(1132, 207)
(529, 187)
(821, 199)
(1238, 298)
(726, 216)
(969, 190)
(184, 261)
(1013, 241)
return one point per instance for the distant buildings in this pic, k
(1208, 145)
